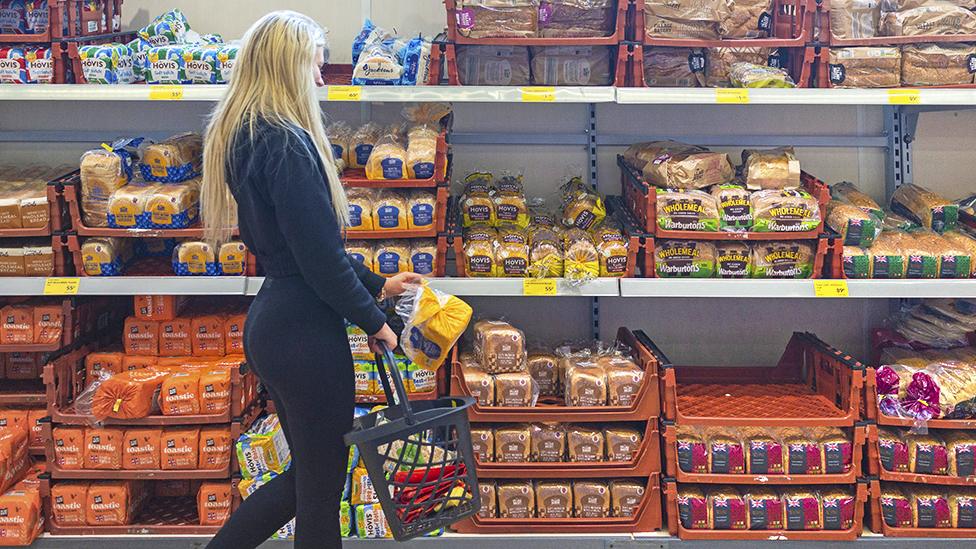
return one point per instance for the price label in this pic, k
(539, 94)
(165, 93)
(61, 286)
(539, 286)
(738, 96)
(904, 97)
(830, 288)
(344, 93)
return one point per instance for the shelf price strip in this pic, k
(165, 93)
(904, 97)
(539, 286)
(344, 93)
(61, 286)
(830, 288)
(539, 94)
(737, 96)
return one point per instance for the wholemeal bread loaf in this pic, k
(684, 258)
(515, 389)
(623, 443)
(733, 259)
(586, 385)
(513, 444)
(734, 207)
(689, 210)
(786, 210)
(497, 18)
(936, 64)
(925, 207)
(577, 18)
(554, 499)
(499, 346)
(543, 368)
(516, 499)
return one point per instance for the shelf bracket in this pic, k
(898, 164)
(591, 159)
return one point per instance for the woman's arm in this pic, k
(303, 208)
(373, 282)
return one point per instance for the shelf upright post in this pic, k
(897, 151)
(591, 162)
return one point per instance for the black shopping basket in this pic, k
(418, 456)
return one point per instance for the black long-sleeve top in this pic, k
(287, 221)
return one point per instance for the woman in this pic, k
(268, 162)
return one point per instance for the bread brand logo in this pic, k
(679, 251)
(198, 65)
(694, 206)
(92, 63)
(10, 65)
(166, 65)
(779, 255)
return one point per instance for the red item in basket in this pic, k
(174, 337)
(922, 397)
(20, 517)
(141, 337)
(215, 448)
(23, 366)
(234, 334)
(417, 496)
(48, 324)
(103, 449)
(69, 447)
(208, 335)
(213, 503)
(35, 422)
(17, 325)
(128, 395)
(68, 501)
(140, 449)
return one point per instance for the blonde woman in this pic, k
(268, 166)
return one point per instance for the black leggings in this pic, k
(298, 347)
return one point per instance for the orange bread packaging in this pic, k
(48, 323)
(34, 421)
(112, 503)
(234, 334)
(12, 418)
(140, 449)
(128, 395)
(215, 391)
(103, 449)
(208, 335)
(135, 362)
(213, 503)
(180, 394)
(23, 365)
(20, 517)
(14, 457)
(215, 448)
(68, 501)
(141, 337)
(180, 448)
(69, 447)
(99, 364)
(158, 307)
(174, 337)
(32, 479)
(17, 325)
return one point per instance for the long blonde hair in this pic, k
(272, 80)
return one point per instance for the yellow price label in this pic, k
(344, 93)
(904, 97)
(539, 94)
(539, 286)
(830, 288)
(732, 95)
(61, 286)
(165, 93)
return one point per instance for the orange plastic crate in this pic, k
(878, 525)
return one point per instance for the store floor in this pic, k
(601, 541)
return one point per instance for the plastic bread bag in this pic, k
(583, 207)
(576, 18)
(734, 207)
(684, 259)
(855, 227)
(340, 135)
(847, 192)
(926, 208)
(613, 249)
(726, 455)
(581, 259)
(388, 157)
(673, 67)
(719, 61)
(127, 395)
(687, 210)
(173, 160)
(499, 347)
(930, 19)
(127, 206)
(749, 75)
(546, 258)
(167, 28)
(692, 449)
(479, 251)
(433, 322)
(784, 210)
(748, 19)
(103, 171)
(697, 20)
(854, 19)
(673, 165)
(107, 64)
(571, 65)
(497, 18)
(965, 243)
(936, 64)
(414, 57)
(771, 169)
(361, 144)
(377, 64)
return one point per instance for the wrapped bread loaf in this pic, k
(786, 259)
(174, 206)
(784, 210)
(765, 509)
(483, 443)
(499, 346)
(894, 451)
(497, 18)
(765, 455)
(855, 226)
(684, 258)
(725, 455)
(771, 169)
(515, 389)
(423, 257)
(926, 208)
(586, 385)
(510, 208)
(847, 192)
(692, 451)
(542, 367)
(624, 379)
(361, 144)
(930, 508)
(962, 508)
(173, 160)
(753, 75)
(339, 134)
(493, 65)
(734, 207)
(361, 251)
(489, 499)
(478, 383)
(512, 259)
(583, 207)
(591, 499)
(105, 256)
(392, 257)
(626, 496)
(421, 209)
(390, 211)
(748, 19)
(193, 258)
(512, 444)
(733, 259)
(936, 64)
(548, 443)
(554, 499)
(683, 19)
(854, 19)
(865, 67)
(585, 444)
(927, 455)
(479, 251)
(887, 257)
(836, 452)
(965, 243)
(961, 447)
(690, 210)
(669, 164)
(613, 250)
(726, 509)
(693, 508)
(924, 254)
(516, 500)
(937, 18)
(623, 444)
(803, 453)
(571, 65)
(803, 509)
(673, 67)
(360, 209)
(577, 18)
(546, 258)
(388, 159)
(128, 395)
(838, 509)
(581, 260)
(102, 173)
(719, 62)
(896, 509)
(127, 207)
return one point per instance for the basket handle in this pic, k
(397, 395)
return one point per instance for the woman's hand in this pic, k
(395, 285)
(387, 336)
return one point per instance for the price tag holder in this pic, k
(344, 93)
(539, 286)
(904, 97)
(166, 93)
(830, 288)
(539, 94)
(61, 286)
(732, 96)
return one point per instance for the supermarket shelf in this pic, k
(799, 96)
(601, 287)
(780, 289)
(484, 94)
(132, 285)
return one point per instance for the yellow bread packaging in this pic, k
(361, 210)
(232, 258)
(127, 206)
(174, 206)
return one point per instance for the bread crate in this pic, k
(826, 36)
(874, 412)
(159, 515)
(792, 60)
(647, 403)
(817, 63)
(356, 178)
(59, 19)
(876, 469)
(877, 509)
(646, 461)
(672, 470)
(65, 379)
(647, 518)
(460, 18)
(55, 223)
(673, 503)
(813, 385)
(820, 268)
(439, 226)
(142, 266)
(790, 25)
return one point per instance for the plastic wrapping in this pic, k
(719, 62)
(782, 259)
(670, 164)
(173, 160)
(673, 67)
(771, 169)
(103, 171)
(377, 64)
(583, 207)
(684, 19)
(750, 75)
(107, 64)
(855, 227)
(577, 18)
(938, 19)
(571, 65)
(497, 18)
(387, 160)
(865, 67)
(684, 259)
(493, 65)
(854, 19)
(690, 210)
(784, 211)
(847, 192)
(937, 64)
(925, 207)
(748, 19)
(433, 322)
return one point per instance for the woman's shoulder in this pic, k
(272, 136)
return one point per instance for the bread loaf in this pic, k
(690, 210)
(726, 455)
(548, 443)
(423, 257)
(422, 151)
(361, 210)
(939, 19)
(392, 257)
(493, 65)
(719, 62)
(962, 508)
(865, 67)
(927, 455)
(577, 18)
(12, 261)
(127, 395)
(585, 444)
(765, 509)
(765, 455)
(542, 367)
(668, 164)
(339, 134)
(624, 379)
(747, 19)
(174, 206)
(925, 207)
(554, 499)
(803, 453)
(784, 211)
(102, 173)
(483, 444)
(390, 211)
(232, 258)
(726, 509)
(733, 259)
(571, 65)
(591, 499)
(787, 259)
(546, 258)
(733, 206)
(497, 18)
(194, 258)
(803, 510)
(173, 160)
(489, 499)
(104, 256)
(854, 19)
(930, 508)
(479, 384)
(499, 346)
(516, 500)
(623, 444)
(515, 389)
(673, 67)
(127, 206)
(613, 250)
(586, 385)
(855, 226)
(388, 158)
(693, 508)
(771, 169)
(38, 258)
(838, 509)
(512, 259)
(180, 394)
(692, 451)
(836, 452)
(936, 64)
(512, 444)
(966, 244)
(684, 258)
(896, 510)
(361, 144)
(698, 20)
